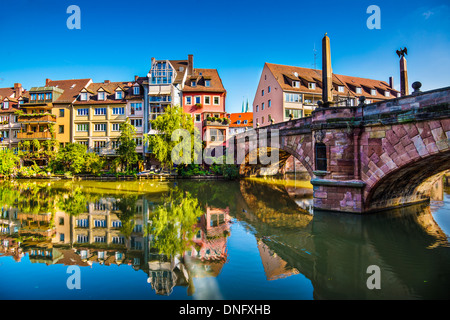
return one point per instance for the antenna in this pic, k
(315, 55)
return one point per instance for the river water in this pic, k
(248, 239)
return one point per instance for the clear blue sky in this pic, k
(118, 38)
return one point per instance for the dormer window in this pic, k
(6, 105)
(340, 88)
(238, 122)
(312, 85)
(296, 84)
(136, 90)
(399, 94)
(207, 83)
(101, 96)
(387, 94)
(373, 92)
(358, 90)
(193, 83)
(119, 95)
(83, 96)
(33, 96)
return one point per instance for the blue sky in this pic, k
(118, 38)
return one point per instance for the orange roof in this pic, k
(235, 117)
(199, 76)
(71, 89)
(286, 74)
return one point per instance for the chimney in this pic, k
(190, 64)
(47, 81)
(403, 77)
(153, 61)
(107, 81)
(327, 72)
(391, 82)
(18, 89)
(136, 78)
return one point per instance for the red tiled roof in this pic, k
(200, 75)
(71, 89)
(110, 91)
(284, 74)
(234, 117)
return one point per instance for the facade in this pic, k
(285, 90)
(10, 100)
(204, 98)
(98, 111)
(135, 109)
(240, 122)
(62, 107)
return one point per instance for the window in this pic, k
(297, 113)
(312, 85)
(84, 127)
(83, 96)
(61, 237)
(117, 224)
(292, 97)
(136, 90)
(207, 83)
(262, 92)
(387, 94)
(40, 96)
(193, 84)
(119, 95)
(33, 96)
(269, 103)
(257, 108)
(118, 111)
(262, 106)
(101, 96)
(97, 146)
(100, 223)
(100, 127)
(82, 239)
(6, 105)
(48, 96)
(61, 113)
(296, 84)
(138, 142)
(268, 89)
(118, 240)
(245, 121)
(99, 239)
(116, 127)
(321, 157)
(82, 223)
(340, 88)
(137, 106)
(198, 117)
(83, 112)
(99, 111)
(207, 100)
(373, 92)
(188, 100)
(216, 100)
(101, 254)
(61, 129)
(358, 90)
(238, 122)
(115, 144)
(262, 119)
(198, 99)
(83, 143)
(216, 135)
(136, 122)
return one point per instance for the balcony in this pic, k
(34, 135)
(220, 122)
(24, 118)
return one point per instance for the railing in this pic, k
(34, 135)
(37, 118)
(219, 122)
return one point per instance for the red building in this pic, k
(204, 98)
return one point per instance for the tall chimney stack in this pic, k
(47, 81)
(190, 64)
(391, 82)
(327, 72)
(18, 90)
(403, 77)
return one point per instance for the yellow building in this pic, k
(97, 114)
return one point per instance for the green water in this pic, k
(249, 239)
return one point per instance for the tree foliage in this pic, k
(161, 144)
(8, 161)
(127, 145)
(71, 158)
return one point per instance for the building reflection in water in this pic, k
(63, 225)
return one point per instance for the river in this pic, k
(247, 239)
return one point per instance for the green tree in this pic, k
(127, 145)
(172, 223)
(93, 163)
(161, 144)
(8, 162)
(75, 204)
(71, 158)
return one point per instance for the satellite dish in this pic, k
(296, 74)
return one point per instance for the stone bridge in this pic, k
(364, 158)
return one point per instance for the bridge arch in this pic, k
(412, 158)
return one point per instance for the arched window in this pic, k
(321, 157)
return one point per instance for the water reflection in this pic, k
(179, 232)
